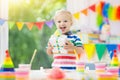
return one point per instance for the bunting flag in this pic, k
(100, 49)
(39, 25)
(76, 15)
(19, 25)
(57, 32)
(11, 24)
(85, 12)
(29, 25)
(92, 7)
(2, 21)
(90, 50)
(49, 23)
(111, 48)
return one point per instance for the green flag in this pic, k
(100, 49)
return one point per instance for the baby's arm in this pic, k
(70, 46)
(49, 49)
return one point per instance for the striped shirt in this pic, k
(62, 58)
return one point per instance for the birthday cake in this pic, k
(58, 42)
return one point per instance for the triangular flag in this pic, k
(85, 12)
(111, 48)
(57, 33)
(39, 25)
(2, 21)
(29, 25)
(76, 15)
(19, 25)
(92, 7)
(11, 24)
(8, 64)
(100, 49)
(49, 23)
(90, 50)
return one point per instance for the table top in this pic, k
(70, 75)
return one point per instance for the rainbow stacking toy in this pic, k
(7, 69)
(115, 61)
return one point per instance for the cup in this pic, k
(80, 66)
(113, 69)
(100, 67)
(25, 66)
(21, 74)
(23, 71)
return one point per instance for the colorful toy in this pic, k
(115, 61)
(7, 69)
(8, 64)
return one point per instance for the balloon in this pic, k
(118, 13)
(105, 10)
(99, 20)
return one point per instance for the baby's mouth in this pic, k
(62, 28)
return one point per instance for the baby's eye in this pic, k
(65, 21)
(59, 21)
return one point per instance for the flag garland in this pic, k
(103, 9)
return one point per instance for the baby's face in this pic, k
(63, 23)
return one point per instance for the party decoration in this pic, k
(115, 61)
(19, 25)
(85, 12)
(7, 70)
(11, 24)
(99, 7)
(113, 13)
(76, 15)
(49, 23)
(92, 7)
(90, 50)
(110, 10)
(8, 64)
(29, 25)
(57, 32)
(99, 20)
(118, 13)
(105, 10)
(2, 21)
(39, 25)
(118, 47)
(111, 48)
(100, 49)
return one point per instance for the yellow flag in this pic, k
(19, 25)
(90, 50)
(57, 33)
(76, 15)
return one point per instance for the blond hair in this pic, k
(64, 12)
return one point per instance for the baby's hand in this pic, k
(50, 46)
(69, 45)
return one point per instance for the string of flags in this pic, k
(100, 50)
(103, 9)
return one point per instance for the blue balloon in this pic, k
(105, 10)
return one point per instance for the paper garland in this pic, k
(100, 49)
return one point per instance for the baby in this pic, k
(66, 46)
